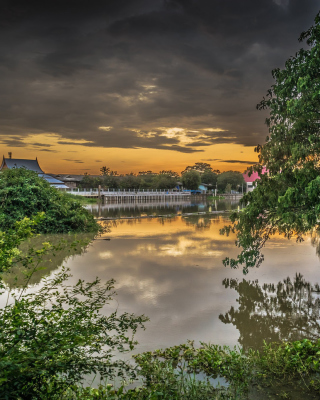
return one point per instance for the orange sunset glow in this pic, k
(138, 86)
(71, 158)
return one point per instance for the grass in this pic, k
(82, 199)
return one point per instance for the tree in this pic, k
(107, 171)
(24, 195)
(130, 181)
(209, 178)
(191, 180)
(169, 172)
(110, 181)
(228, 188)
(50, 339)
(89, 181)
(201, 167)
(234, 178)
(286, 200)
(164, 181)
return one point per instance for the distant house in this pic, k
(31, 165)
(250, 180)
(72, 181)
(205, 187)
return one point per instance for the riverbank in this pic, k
(163, 216)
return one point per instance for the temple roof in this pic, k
(31, 165)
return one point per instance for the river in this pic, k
(170, 269)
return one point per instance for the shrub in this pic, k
(24, 194)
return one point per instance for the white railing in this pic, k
(128, 192)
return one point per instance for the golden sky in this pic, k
(141, 85)
(79, 158)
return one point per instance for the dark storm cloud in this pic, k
(48, 150)
(139, 66)
(14, 141)
(41, 144)
(75, 161)
(230, 161)
(239, 162)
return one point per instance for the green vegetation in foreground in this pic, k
(51, 339)
(285, 371)
(24, 195)
(286, 199)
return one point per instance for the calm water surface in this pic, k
(170, 269)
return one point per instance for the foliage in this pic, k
(164, 181)
(209, 178)
(172, 372)
(107, 171)
(50, 339)
(130, 182)
(228, 188)
(233, 178)
(200, 167)
(294, 365)
(286, 200)
(191, 180)
(24, 195)
(109, 182)
(90, 182)
(169, 172)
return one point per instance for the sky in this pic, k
(139, 85)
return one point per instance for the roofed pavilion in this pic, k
(31, 165)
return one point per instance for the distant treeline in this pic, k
(190, 178)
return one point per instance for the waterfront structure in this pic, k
(251, 180)
(71, 181)
(31, 165)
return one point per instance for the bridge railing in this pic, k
(121, 192)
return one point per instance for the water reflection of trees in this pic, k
(201, 222)
(65, 246)
(289, 310)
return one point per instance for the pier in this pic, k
(133, 196)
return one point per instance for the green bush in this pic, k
(24, 194)
(51, 339)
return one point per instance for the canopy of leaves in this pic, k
(201, 167)
(233, 178)
(209, 177)
(286, 199)
(24, 195)
(89, 181)
(107, 171)
(164, 181)
(191, 180)
(50, 339)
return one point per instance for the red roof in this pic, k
(254, 176)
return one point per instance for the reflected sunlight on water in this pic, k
(171, 270)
